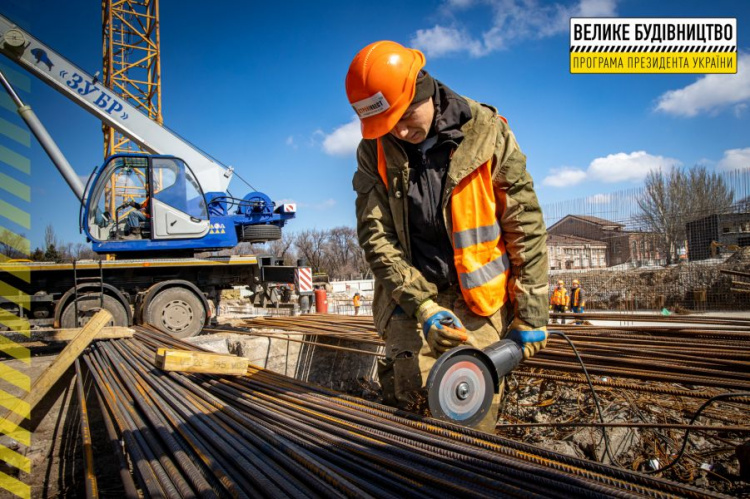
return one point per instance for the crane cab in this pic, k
(139, 202)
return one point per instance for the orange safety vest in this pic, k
(559, 297)
(478, 250)
(356, 301)
(576, 296)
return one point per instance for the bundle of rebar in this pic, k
(707, 351)
(264, 434)
(704, 351)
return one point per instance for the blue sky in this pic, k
(260, 87)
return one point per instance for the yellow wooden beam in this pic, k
(200, 362)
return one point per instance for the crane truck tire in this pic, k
(177, 312)
(260, 233)
(88, 305)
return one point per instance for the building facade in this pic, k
(571, 252)
(622, 246)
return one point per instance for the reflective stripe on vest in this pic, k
(478, 250)
(576, 296)
(559, 297)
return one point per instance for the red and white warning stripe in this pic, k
(304, 279)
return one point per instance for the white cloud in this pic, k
(512, 21)
(622, 167)
(440, 41)
(596, 8)
(459, 4)
(711, 93)
(290, 142)
(564, 177)
(734, 159)
(600, 198)
(325, 205)
(344, 140)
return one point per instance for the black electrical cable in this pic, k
(593, 395)
(685, 438)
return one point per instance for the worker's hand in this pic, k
(442, 329)
(530, 338)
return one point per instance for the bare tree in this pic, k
(13, 245)
(81, 251)
(671, 200)
(340, 254)
(50, 238)
(284, 249)
(311, 245)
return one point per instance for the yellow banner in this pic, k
(653, 62)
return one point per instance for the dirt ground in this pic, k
(56, 448)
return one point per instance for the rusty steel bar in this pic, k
(619, 424)
(265, 434)
(92, 489)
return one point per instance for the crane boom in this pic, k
(86, 91)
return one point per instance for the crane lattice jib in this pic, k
(131, 68)
(131, 62)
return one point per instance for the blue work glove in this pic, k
(442, 329)
(531, 339)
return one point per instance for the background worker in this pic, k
(559, 301)
(448, 220)
(577, 300)
(357, 302)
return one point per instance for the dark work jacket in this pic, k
(432, 252)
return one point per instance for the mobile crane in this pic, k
(152, 212)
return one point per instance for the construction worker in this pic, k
(577, 301)
(357, 302)
(448, 220)
(136, 216)
(559, 301)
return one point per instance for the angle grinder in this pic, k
(464, 380)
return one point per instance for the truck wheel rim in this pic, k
(177, 315)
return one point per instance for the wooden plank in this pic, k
(200, 362)
(107, 333)
(22, 407)
(47, 335)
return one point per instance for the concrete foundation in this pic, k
(315, 363)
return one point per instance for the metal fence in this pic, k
(694, 258)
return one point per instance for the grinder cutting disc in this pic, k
(460, 386)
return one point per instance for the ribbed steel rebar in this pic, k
(708, 351)
(266, 435)
(92, 489)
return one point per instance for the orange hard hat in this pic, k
(380, 85)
